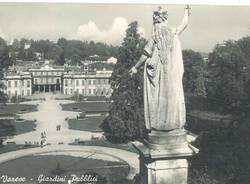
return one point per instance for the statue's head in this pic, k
(160, 16)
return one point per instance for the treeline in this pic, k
(60, 51)
(5, 62)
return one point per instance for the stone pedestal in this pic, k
(163, 158)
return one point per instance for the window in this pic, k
(82, 82)
(83, 91)
(90, 91)
(35, 81)
(77, 91)
(94, 81)
(66, 91)
(28, 92)
(89, 81)
(107, 81)
(71, 91)
(9, 84)
(9, 93)
(99, 81)
(28, 84)
(94, 91)
(15, 92)
(77, 82)
(99, 91)
(15, 84)
(66, 82)
(41, 80)
(71, 81)
(22, 92)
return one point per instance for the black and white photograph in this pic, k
(121, 93)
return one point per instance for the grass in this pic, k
(9, 127)
(50, 165)
(89, 107)
(209, 115)
(91, 123)
(13, 147)
(12, 109)
(200, 121)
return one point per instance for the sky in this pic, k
(107, 23)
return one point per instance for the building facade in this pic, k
(47, 78)
(18, 84)
(85, 80)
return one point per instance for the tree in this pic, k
(228, 69)
(60, 60)
(224, 145)
(124, 122)
(4, 63)
(194, 76)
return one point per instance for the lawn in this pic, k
(10, 127)
(91, 123)
(12, 109)
(14, 147)
(200, 121)
(88, 107)
(60, 165)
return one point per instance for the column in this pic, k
(39, 89)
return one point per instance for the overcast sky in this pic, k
(107, 23)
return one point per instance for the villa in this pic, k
(86, 80)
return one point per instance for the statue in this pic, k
(165, 149)
(164, 103)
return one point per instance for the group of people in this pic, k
(43, 138)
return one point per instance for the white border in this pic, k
(193, 2)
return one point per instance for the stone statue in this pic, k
(164, 104)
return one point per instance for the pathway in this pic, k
(48, 116)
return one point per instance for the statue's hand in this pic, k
(132, 71)
(188, 10)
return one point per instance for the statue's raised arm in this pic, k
(184, 22)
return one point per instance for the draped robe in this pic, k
(164, 103)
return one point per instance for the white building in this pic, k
(87, 83)
(18, 84)
(112, 60)
(47, 78)
(84, 80)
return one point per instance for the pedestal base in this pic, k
(164, 163)
(165, 172)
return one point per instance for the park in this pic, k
(166, 108)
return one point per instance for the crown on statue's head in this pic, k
(161, 13)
